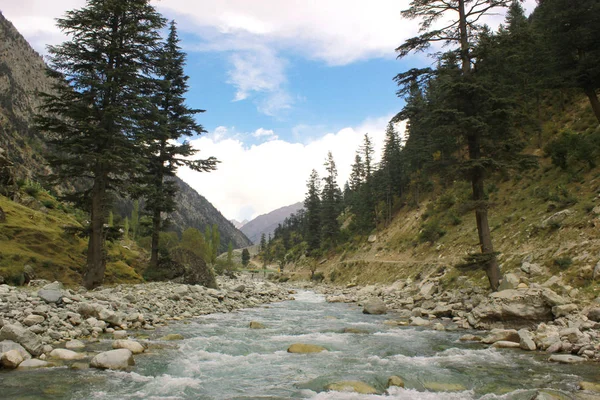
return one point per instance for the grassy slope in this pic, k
(34, 236)
(519, 205)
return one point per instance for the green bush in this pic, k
(431, 231)
(572, 148)
(563, 262)
(318, 277)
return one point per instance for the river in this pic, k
(221, 358)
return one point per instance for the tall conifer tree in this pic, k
(93, 115)
(168, 121)
(312, 205)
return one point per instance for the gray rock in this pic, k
(132, 345)
(564, 310)
(33, 319)
(509, 281)
(594, 314)
(34, 363)
(566, 359)
(8, 345)
(375, 307)
(497, 335)
(505, 344)
(75, 345)
(418, 321)
(29, 340)
(239, 288)
(50, 296)
(11, 359)
(113, 359)
(53, 286)
(428, 289)
(67, 355)
(556, 218)
(526, 340)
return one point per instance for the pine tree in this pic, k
(312, 205)
(135, 219)
(357, 175)
(467, 104)
(330, 203)
(391, 168)
(245, 258)
(571, 30)
(230, 256)
(93, 115)
(168, 120)
(263, 242)
(367, 152)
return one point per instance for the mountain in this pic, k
(22, 76)
(267, 223)
(237, 223)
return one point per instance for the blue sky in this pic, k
(283, 83)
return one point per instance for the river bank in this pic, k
(530, 317)
(41, 320)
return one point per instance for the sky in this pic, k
(282, 82)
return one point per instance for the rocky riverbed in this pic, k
(44, 322)
(547, 317)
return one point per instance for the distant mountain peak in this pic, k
(266, 223)
(237, 223)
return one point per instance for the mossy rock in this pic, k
(303, 348)
(352, 386)
(256, 325)
(444, 387)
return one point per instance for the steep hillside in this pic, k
(22, 74)
(545, 223)
(193, 210)
(267, 223)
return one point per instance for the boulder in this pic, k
(33, 319)
(50, 296)
(337, 299)
(113, 359)
(172, 336)
(509, 281)
(28, 274)
(29, 340)
(131, 345)
(239, 288)
(517, 308)
(256, 325)
(8, 345)
(498, 335)
(556, 218)
(594, 314)
(351, 386)
(120, 335)
(395, 380)
(11, 359)
(505, 344)
(35, 363)
(304, 348)
(375, 307)
(566, 359)
(75, 345)
(526, 340)
(564, 310)
(428, 289)
(66, 355)
(591, 386)
(418, 321)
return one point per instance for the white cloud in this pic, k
(267, 134)
(257, 179)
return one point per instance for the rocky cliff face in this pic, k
(267, 223)
(22, 78)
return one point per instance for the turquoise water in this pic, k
(221, 358)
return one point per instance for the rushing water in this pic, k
(221, 358)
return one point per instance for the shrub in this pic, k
(563, 262)
(431, 231)
(318, 277)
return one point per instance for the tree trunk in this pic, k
(481, 215)
(593, 96)
(155, 238)
(96, 260)
(464, 38)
